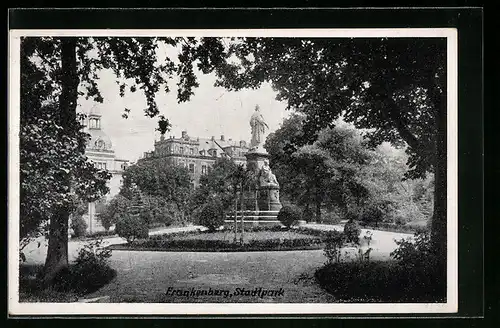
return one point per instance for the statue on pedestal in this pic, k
(265, 188)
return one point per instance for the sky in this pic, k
(212, 111)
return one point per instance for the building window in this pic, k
(100, 165)
(181, 150)
(203, 169)
(191, 168)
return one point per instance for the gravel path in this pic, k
(37, 255)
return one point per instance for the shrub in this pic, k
(308, 214)
(289, 215)
(377, 281)
(412, 252)
(113, 210)
(333, 245)
(91, 269)
(330, 218)
(212, 215)
(352, 231)
(131, 227)
(417, 256)
(373, 214)
(79, 226)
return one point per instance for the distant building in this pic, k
(197, 154)
(100, 151)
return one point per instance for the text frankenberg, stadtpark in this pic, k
(225, 293)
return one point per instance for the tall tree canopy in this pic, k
(159, 179)
(394, 86)
(55, 72)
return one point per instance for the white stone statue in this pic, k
(267, 178)
(259, 127)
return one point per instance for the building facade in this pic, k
(100, 152)
(197, 154)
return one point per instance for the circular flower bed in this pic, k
(254, 239)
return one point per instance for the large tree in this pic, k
(55, 72)
(158, 178)
(394, 86)
(327, 172)
(220, 183)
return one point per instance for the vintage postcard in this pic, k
(249, 171)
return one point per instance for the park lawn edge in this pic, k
(125, 247)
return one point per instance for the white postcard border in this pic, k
(451, 306)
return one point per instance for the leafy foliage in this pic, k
(55, 72)
(323, 173)
(91, 269)
(352, 231)
(131, 227)
(289, 215)
(222, 182)
(334, 242)
(161, 183)
(212, 215)
(379, 281)
(393, 87)
(113, 210)
(415, 251)
(79, 226)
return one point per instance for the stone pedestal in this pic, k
(262, 198)
(269, 198)
(256, 158)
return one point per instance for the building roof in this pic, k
(99, 140)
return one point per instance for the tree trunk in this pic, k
(57, 252)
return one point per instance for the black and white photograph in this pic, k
(306, 169)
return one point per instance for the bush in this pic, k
(352, 231)
(308, 214)
(373, 213)
(79, 226)
(91, 269)
(334, 242)
(377, 281)
(131, 227)
(289, 215)
(418, 256)
(330, 218)
(211, 215)
(112, 211)
(412, 252)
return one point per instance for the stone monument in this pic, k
(263, 195)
